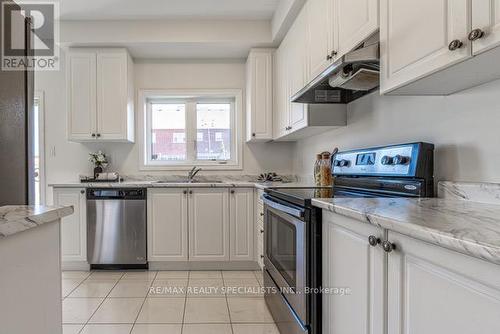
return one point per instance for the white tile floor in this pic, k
(165, 302)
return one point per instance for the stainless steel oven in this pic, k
(285, 259)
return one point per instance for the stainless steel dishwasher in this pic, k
(116, 228)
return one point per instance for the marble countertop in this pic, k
(468, 227)
(19, 218)
(173, 184)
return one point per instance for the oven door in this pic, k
(285, 248)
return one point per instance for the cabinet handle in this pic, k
(185, 192)
(455, 45)
(475, 34)
(388, 246)
(262, 214)
(329, 57)
(82, 191)
(333, 53)
(261, 231)
(253, 134)
(93, 135)
(373, 240)
(232, 191)
(262, 256)
(190, 192)
(98, 135)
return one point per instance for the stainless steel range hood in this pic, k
(352, 76)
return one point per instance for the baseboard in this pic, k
(202, 265)
(75, 265)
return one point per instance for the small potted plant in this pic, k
(99, 160)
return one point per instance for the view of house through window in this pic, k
(185, 131)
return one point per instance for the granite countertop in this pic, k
(469, 227)
(19, 218)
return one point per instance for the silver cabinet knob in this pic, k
(373, 240)
(455, 45)
(388, 246)
(475, 34)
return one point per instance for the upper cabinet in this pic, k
(412, 46)
(319, 36)
(259, 95)
(438, 47)
(100, 95)
(354, 21)
(485, 31)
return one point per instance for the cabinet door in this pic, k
(415, 35)
(355, 20)
(81, 94)
(350, 262)
(208, 224)
(486, 16)
(434, 290)
(319, 36)
(167, 225)
(73, 227)
(297, 69)
(242, 225)
(112, 83)
(260, 95)
(280, 112)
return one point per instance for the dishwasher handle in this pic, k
(116, 193)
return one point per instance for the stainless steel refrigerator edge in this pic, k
(16, 126)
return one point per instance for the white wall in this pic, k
(66, 160)
(465, 128)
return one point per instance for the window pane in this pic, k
(168, 132)
(214, 123)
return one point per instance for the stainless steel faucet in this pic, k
(192, 173)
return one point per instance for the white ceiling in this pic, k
(166, 9)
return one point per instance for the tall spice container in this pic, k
(326, 175)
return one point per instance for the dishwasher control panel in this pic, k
(116, 193)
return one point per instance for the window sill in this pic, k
(190, 166)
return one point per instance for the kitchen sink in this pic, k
(187, 181)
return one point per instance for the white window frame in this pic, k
(144, 102)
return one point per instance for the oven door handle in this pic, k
(290, 209)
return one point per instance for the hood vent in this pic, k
(349, 78)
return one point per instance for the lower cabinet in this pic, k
(349, 262)
(201, 224)
(73, 227)
(167, 224)
(434, 290)
(208, 224)
(424, 288)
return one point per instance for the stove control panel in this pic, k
(396, 160)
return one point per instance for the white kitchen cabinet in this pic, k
(434, 290)
(415, 37)
(167, 212)
(259, 95)
(208, 221)
(350, 262)
(73, 227)
(259, 218)
(485, 18)
(354, 21)
(241, 224)
(297, 71)
(81, 94)
(280, 102)
(320, 37)
(100, 95)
